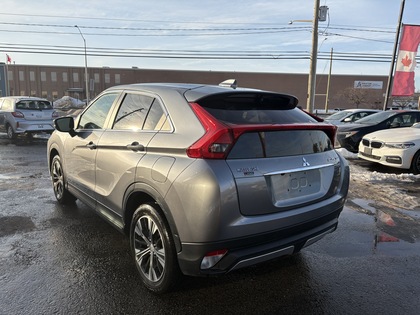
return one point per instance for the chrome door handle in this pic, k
(135, 146)
(91, 145)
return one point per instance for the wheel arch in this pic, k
(140, 194)
(414, 168)
(53, 152)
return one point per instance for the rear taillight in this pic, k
(217, 140)
(18, 115)
(55, 115)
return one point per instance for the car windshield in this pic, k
(33, 104)
(337, 116)
(376, 118)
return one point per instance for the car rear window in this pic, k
(280, 143)
(33, 104)
(255, 108)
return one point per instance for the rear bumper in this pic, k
(255, 249)
(34, 127)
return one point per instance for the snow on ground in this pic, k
(382, 187)
(375, 176)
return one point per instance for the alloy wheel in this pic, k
(57, 179)
(149, 248)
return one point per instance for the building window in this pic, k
(75, 77)
(117, 78)
(107, 78)
(10, 75)
(55, 95)
(32, 76)
(65, 78)
(33, 93)
(22, 93)
(96, 77)
(44, 94)
(21, 76)
(54, 76)
(43, 76)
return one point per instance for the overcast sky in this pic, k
(240, 35)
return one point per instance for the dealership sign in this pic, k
(376, 85)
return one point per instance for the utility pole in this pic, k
(314, 55)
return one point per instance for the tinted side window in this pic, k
(132, 112)
(156, 118)
(409, 119)
(141, 112)
(94, 117)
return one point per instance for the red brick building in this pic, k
(54, 82)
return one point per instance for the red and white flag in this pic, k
(406, 61)
(8, 59)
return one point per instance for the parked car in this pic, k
(350, 135)
(349, 115)
(396, 148)
(203, 179)
(26, 115)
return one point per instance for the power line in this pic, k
(191, 54)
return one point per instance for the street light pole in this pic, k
(314, 55)
(86, 71)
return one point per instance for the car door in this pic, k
(81, 150)
(122, 146)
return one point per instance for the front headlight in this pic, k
(399, 145)
(348, 133)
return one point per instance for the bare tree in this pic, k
(367, 98)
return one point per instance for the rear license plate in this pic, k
(291, 185)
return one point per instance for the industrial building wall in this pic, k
(54, 82)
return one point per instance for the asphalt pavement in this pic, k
(67, 260)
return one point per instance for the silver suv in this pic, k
(204, 179)
(26, 115)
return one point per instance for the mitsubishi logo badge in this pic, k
(305, 163)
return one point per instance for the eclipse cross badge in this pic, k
(305, 163)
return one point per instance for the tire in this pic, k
(153, 249)
(415, 163)
(62, 195)
(10, 133)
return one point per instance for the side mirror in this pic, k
(65, 124)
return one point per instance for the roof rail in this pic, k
(229, 83)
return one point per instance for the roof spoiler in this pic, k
(229, 83)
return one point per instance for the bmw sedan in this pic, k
(396, 148)
(203, 179)
(350, 135)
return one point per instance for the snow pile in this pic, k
(362, 175)
(67, 102)
(388, 177)
(347, 154)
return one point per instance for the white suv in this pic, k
(26, 115)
